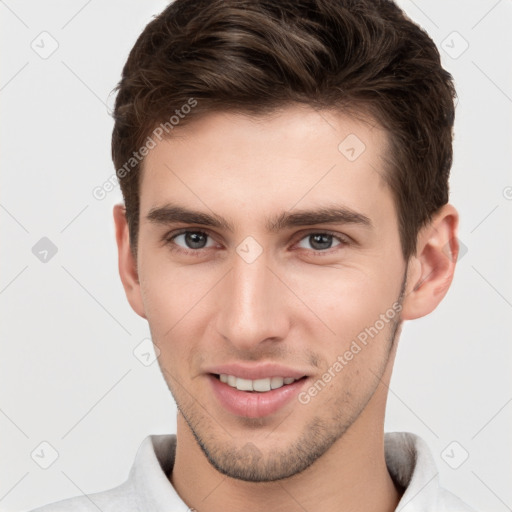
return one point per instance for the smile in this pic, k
(255, 398)
(258, 385)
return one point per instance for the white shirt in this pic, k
(148, 488)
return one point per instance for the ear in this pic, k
(126, 261)
(431, 270)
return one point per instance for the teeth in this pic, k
(259, 385)
(276, 382)
(244, 384)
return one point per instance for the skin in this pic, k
(298, 303)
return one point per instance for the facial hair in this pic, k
(249, 463)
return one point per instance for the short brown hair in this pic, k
(257, 56)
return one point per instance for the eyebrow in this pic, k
(336, 214)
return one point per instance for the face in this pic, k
(271, 274)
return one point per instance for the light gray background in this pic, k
(69, 376)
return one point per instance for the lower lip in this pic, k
(254, 404)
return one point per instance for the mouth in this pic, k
(256, 385)
(254, 398)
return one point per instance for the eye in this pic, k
(193, 242)
(190, 240)
(321, 241)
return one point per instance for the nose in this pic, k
(252, 305)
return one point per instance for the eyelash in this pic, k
(168, 240)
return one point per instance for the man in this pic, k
(284, 168)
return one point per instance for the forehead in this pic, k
(243, 165)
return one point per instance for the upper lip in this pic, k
(256, 371)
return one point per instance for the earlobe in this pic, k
(431, 270)
(127, 264)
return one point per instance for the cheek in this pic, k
(174, 299)
(161, 292)
(347, 300)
